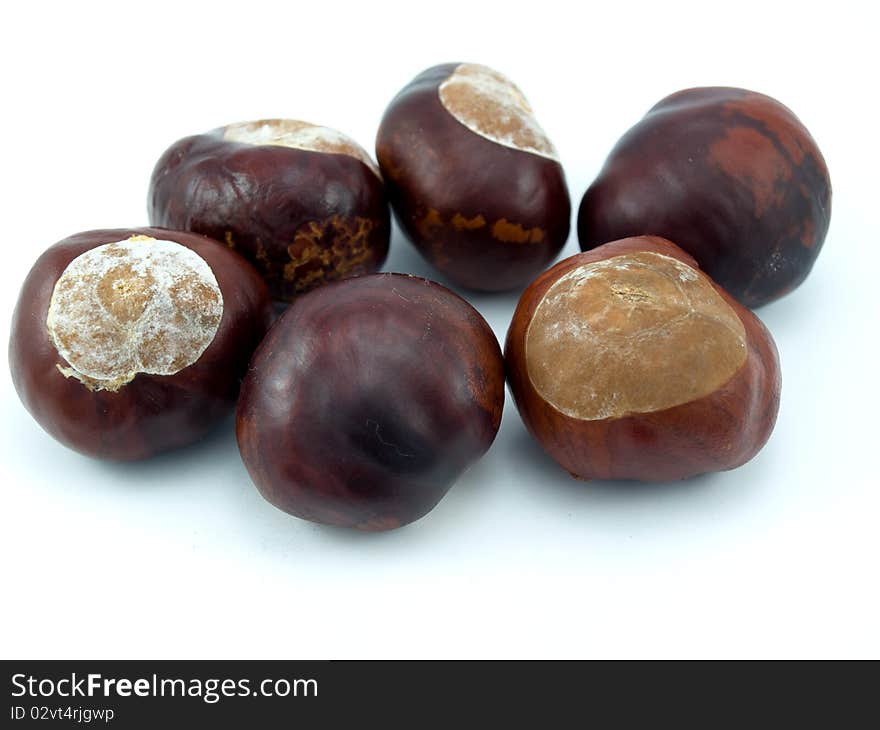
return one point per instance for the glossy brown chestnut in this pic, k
(628, 362)
(305, 204)
(730, 175)
(473, 180)
(129, 342)
(368, 399)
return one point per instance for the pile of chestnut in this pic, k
(638, 358)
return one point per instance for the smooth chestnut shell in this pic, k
(216, 311)
(474, 182)
(368, 399)
(303, 203)
(730, 175)
(628, 362)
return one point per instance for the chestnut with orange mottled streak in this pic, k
(718, 431)
(730, 175)
(486, 215)
(368, 399)
(266, 199)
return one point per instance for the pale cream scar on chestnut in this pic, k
(298, 135)
(142, 305)
(490, 105)
(636, 333)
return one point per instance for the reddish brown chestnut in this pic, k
(628, 362)
(474, 182)
(731, 176)
(305, 204)
(129, 342)
(368, 399)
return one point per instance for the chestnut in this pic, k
(474, 182)
(628, 362)
(303, 203)
(368, 399)
(730, 175)
(129, 342)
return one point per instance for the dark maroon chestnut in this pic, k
(129, 342)
(731, 176)
(305, 204)
(628, 362)
(368, 399)
(474, 182)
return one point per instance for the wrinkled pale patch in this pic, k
(137, 306)
(489, 104)
(297, 135)
(635, 333)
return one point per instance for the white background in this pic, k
(181, 557)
